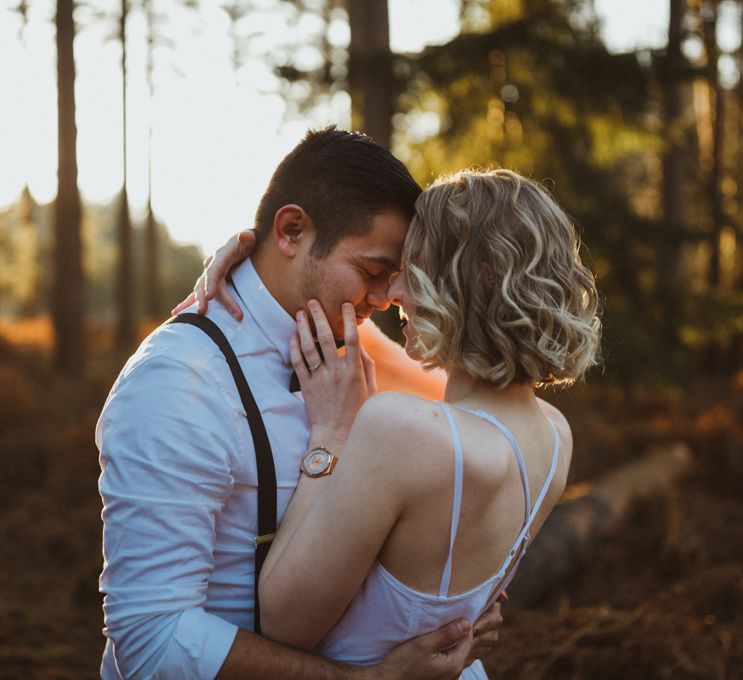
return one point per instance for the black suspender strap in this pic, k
(263, 455)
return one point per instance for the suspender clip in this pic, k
(265, 538)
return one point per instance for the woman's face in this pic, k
(398, 295)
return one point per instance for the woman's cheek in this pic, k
(411, 345)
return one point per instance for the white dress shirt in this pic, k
(179, 487)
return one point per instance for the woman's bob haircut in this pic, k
(492, 265)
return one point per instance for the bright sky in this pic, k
(217, 135)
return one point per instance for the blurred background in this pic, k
(137, 135)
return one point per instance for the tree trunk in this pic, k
(151, 274)
(717, 111)
(736, 343)
(739, 178)
(370, 69)
(674, 138)
(372, 93)
(151, 255)
(560, 549)
(125, 332)
(68, 295)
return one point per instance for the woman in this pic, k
(432, 504)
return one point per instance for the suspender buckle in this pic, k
(265, 538)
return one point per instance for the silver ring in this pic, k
(315, 367)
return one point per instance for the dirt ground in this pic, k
(662, 596)
(659, 598)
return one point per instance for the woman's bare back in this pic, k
(493, 502)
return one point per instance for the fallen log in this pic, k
(587, 513)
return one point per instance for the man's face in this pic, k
(357, 270)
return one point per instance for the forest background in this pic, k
(643, 148)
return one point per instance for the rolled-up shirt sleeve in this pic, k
(167, 438)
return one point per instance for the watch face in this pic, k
(316, 462)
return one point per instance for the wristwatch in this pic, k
(318, 462)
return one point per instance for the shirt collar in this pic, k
(272, 318)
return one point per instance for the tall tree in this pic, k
(7, 240)
(672, 84)
(739, 178)
(370, 76)
(125, 332)
(567, 109)
(372, 90)
(151, 254)
(736, 345)
(68, 293)
(709, 12)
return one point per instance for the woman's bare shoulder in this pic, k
(398, 404)
(400, 425)
(559, 421)
(565, 436)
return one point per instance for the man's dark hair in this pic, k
(342, 180)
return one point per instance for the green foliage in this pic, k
(179, 265)
(532, 87)
(25, 279)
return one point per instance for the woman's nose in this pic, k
(394, 290)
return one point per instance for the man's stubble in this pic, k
(312, 285)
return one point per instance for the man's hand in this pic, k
(213, 280)
(440, 655)
(486, 630)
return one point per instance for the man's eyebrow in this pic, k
(383, 260)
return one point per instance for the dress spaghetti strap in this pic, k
(456, 505)
(530, 511)
(508, 569)
(484, 415)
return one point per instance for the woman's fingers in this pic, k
(487, 624)
(350, 331)
(370, 371)
(212, 282)
(355, 357)
(295, 353)
(227, 256)
(246, 242)
(184, 304)
(200, 291)
(223, 295)
(216, 269)
(307, 342)
(323, 331)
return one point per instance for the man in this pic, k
(179, 477)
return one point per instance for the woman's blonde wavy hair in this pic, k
(492, 264)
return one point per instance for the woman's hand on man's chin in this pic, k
(213, 280)
(334, 387)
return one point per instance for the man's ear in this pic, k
(292, 229)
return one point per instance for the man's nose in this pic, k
(378, 297)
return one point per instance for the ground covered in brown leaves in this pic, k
(661, 597)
